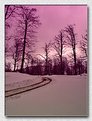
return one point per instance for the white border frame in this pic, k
(2, 76)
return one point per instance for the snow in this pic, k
(64, 96)
(16, 80)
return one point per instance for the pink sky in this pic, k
(54, 18)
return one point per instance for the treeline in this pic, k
(26, 22)
(39, 67)
(55, 69)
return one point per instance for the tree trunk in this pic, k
(61, 54)
(75, 67)
(24, 46)
(46, 66)
(16, 56)
(14, 64)
(46, 60)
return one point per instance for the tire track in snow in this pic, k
(45, 81)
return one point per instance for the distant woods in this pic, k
(20, 45)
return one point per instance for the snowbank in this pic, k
(16, 80)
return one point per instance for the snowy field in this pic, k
(15, 80)
(63, 96)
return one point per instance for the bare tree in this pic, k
(46, 57)
(58, 46)
(9, 17)
(7, 40)
(28, 58)
(46, 49)
(9, 10)
(15, 51)
(72, 42)
(27, 23)
(80, 66)
(84, 44)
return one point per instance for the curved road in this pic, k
(45, 81)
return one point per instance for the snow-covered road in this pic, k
(64, 96)
(44, 81)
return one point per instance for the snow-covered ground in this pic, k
(16, 80)
(64, 96)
